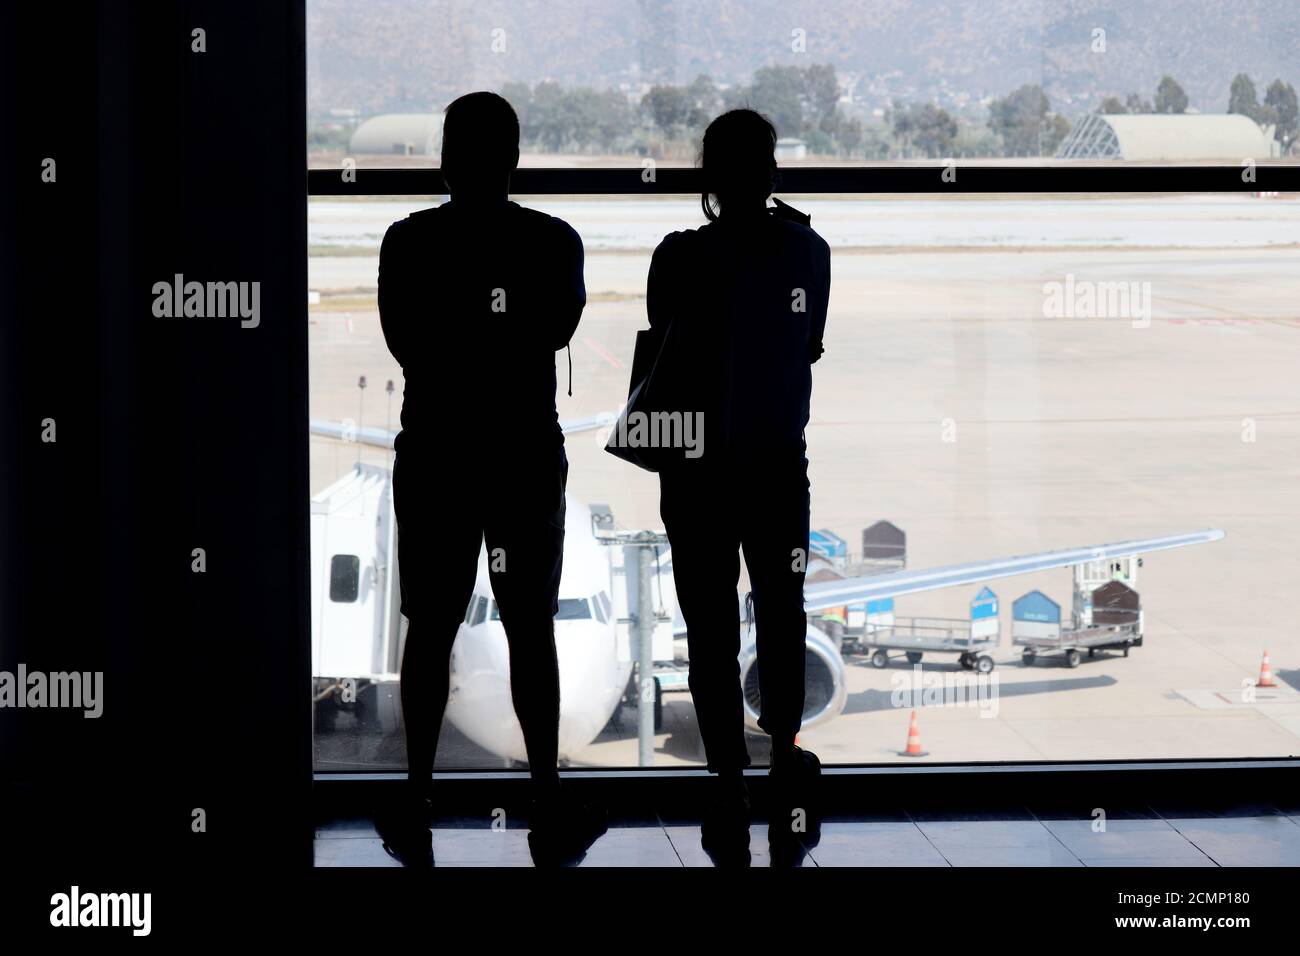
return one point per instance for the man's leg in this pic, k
(776, 553)
(438, 561)
(527, 533)
(706, 567)
(425, 685)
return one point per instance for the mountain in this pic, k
(395, 55)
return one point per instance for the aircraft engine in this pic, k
(824, 688)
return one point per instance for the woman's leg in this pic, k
(775, 541)
(706, 568)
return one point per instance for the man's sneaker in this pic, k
(724, 831)
(403, 826)
(561, 830)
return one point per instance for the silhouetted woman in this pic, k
(746, 297)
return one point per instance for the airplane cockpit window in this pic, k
(480, 611)
(345, 578)
(573, 609)
(600, 611)
(602, 600)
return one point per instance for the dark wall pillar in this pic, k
(172, 434)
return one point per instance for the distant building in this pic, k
(401, 134)
(789, 147)
(1157, 137)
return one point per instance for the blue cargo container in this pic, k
(1036, 624)
(827, 544)
(984, 615)
(971, 640)
(1036, 606)
(984, 606)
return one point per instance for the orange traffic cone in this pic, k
(1265, 674)
(914, 740)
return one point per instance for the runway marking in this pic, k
(602, 353)
(1234, 316)
(1127, 420)
(1224, 699)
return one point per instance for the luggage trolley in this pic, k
(1113, 610)
(971, 640)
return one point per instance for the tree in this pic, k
(595, 119)
(1241, 99)
(1058, 127)
(1281, 99)
(903, 123)
(519, 96)
(667, 107)
(777, 91)
(1241, 96)
(935, 130)
(926, 126)
(549, 116)
(822, 95)
(849, 134)
(1135, 104)
(1021, 119)
(703, 102)
(1170, 97)
(1110, 106)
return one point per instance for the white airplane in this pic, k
(357, 631)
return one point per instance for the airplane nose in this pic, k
(584, 683)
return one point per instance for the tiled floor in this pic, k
(1141, 836)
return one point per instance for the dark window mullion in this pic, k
(835, 179)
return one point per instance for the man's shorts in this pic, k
(445, 512)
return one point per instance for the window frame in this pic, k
(966, 177)
(1021, 780)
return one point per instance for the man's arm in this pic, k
(571, 292)
(820, 304)
(394, 297)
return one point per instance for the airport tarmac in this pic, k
(949, 404)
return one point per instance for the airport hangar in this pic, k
(1168, 137)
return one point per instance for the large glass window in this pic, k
(610, 82)
(1005, 375)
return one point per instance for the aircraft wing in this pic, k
(379, 437)
(383, 437)
(894, 583)
(571, 426)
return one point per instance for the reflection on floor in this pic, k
(1019, 836)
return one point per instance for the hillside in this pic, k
(391, 55)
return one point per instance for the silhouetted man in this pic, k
(475, 298)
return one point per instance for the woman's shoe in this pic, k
(724, 831)
(795, 781)
(403, 826)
